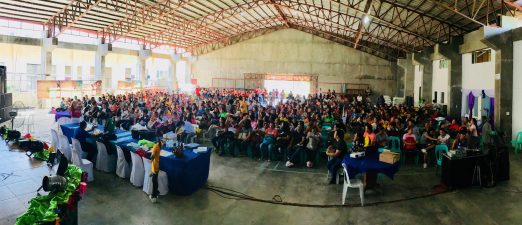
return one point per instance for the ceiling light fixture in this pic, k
(241, 14)
(295, 12)
(366, 19)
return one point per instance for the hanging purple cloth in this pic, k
(492, 112)
(471, 103)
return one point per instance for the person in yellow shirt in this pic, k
(244, 105)
(155, 155)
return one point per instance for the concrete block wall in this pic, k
(292, 52)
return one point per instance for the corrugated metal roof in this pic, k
(405, 25)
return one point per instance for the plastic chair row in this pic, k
(72, 153)
(139, 172)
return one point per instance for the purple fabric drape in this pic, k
(471, 103)
(492, 112)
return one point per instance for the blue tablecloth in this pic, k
(68, 130)
(186, 175)
(369, 163)
(58, 115)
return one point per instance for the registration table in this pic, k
(59, 115)
(186, 175)
(371, 166)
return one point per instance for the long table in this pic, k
(186, 175)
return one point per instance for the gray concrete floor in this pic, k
(112, 200)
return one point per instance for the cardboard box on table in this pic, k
(389, 157)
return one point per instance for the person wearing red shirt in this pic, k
(197, 90)
(451, 126)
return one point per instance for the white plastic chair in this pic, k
(123, 168)
(136, 177)
(56, 140)
(29, 123)
(105, 162)
(85, 164)
(77, 146)
(353, 183)
(163, 180)
(339, 173)
(65, 148)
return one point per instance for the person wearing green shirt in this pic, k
(222, 113)
(328, 118)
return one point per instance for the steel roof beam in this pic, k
(241, 29)
(204, 49)
(327, 14)
(191, 26)
(385, 53)
(279, 13)
(139, 19)
(72, 12)
(212, 36)
(456, 12)
(377, 17)
(348, 21)
(335, 27)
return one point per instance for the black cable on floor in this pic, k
(277, 200)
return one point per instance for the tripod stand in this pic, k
(476, 174)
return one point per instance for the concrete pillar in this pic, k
(451, 52)
(143, 55)
(503, 45)
(424, 58)
(48, 46)
(501, 40)
(99, 62)
(174, 58)
(408, 69)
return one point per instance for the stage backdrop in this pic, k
(67, 88)
(47, 89)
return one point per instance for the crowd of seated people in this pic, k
(286, 127)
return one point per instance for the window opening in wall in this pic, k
(160, 77)
(79, 73)
(67, 70)
(33, 68)
(481, 56)
(442, 97)
(108, 77)
(443, 64)
(435, 97)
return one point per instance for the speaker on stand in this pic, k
(6, 99)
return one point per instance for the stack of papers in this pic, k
(165, 153)
(200, 150)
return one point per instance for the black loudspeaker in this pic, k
(6, 116)
(2, 119)
(2, 101)
(3, 80)
(8, 99)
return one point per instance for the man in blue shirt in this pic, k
(81, 135)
